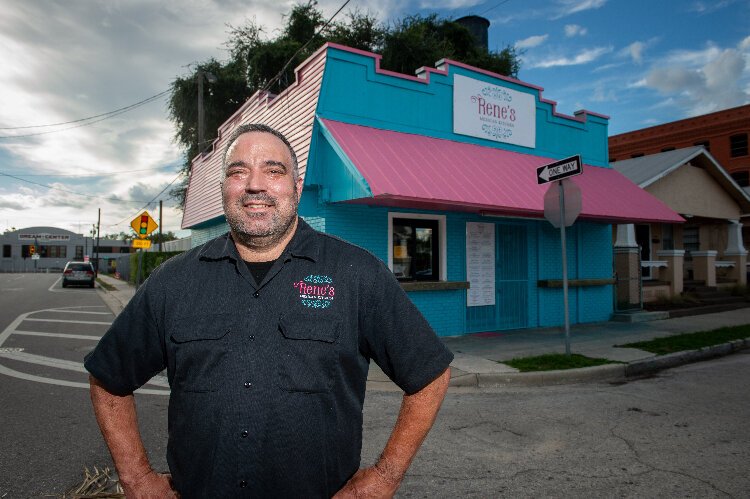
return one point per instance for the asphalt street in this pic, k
(679, 433)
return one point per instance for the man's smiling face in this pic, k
(259, 192)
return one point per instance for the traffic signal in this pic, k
(143, 231)
(32, 249)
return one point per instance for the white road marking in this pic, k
(18, 354)
(58, 335)
(39, 379)
(70, 322)
(67, 311)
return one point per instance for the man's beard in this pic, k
(253, 229)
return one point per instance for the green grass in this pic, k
(691, 341)
(105, 285)
(555, 361)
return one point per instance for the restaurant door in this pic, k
(510, 310)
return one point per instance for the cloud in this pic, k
(704, 81)
(635, 50)
(449, 4)
(572, 30)
(11, 204)
(583, 57)
(709, 7)
(568, 7)
(532, 41)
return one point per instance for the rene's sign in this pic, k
(492, 112)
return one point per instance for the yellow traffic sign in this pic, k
(143, 225)
(141, 243)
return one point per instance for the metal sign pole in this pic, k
(564, 266)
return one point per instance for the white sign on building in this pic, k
(480, 264)
(492, 112)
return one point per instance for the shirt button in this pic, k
(248, 384)
(244, 434)
(243, 483)
(256, 294)
(252, 337)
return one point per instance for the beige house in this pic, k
(707, 249)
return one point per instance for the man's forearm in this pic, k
(118, 422)
(416, 417)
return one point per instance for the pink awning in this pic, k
(416, 171)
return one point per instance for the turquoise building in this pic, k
(436, 174)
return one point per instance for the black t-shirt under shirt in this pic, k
(259, 269)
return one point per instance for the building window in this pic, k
(738, 145)
(742, 178)
(705, 144)
(6, 250)
(416, 249)
(691, 239)
(79, 253)
(48, 251)
(667, 237)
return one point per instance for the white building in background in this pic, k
(47, 249)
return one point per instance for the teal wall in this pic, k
(354, 92)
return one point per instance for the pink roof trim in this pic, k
(423, 172)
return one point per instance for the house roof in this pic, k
(646, 170)
(409, 170)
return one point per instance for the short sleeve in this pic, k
(398, 337)
(131, 351)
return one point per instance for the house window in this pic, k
(6, 250)
(742, 178)
(667, 237)
(416, 249)
(706, 145)
(738, 145)
(691, 239)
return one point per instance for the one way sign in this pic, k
(559, 170)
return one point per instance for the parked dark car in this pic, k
(80, 273)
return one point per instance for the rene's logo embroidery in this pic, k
(315, 291)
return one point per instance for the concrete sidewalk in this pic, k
(478, 356)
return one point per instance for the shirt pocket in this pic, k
(198, 350)
(308, 353)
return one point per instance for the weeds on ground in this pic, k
(555, 361)
(691, 341)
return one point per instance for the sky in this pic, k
(640, 62)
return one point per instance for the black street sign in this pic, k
(559, 170)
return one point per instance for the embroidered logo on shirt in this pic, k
(315, 291)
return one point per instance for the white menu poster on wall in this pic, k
(480, 264)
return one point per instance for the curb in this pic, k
(608, 372)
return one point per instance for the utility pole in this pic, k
(161, 238)
(98, 232)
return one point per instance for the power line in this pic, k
(494, 7)
(126, 108)
(303, 47)
(77, 175)
(88, 123)
(149, 202)
(117, 200)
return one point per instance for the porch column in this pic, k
(736, 253)
(704, 267)
(627, 266)
(673, 273)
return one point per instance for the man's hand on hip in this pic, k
(369, 483)
(152, 485)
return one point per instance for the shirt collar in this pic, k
(302, 245)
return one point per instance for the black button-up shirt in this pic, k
(268, 380)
